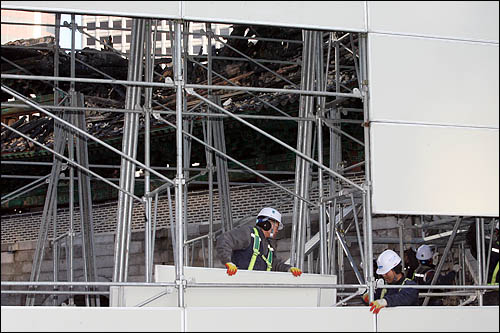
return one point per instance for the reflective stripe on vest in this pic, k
(494, 276)
(256, 252)
(384, 291)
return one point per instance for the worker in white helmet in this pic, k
(426, 270)
(389, 266)
(249, 247)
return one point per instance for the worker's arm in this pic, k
(280, 266)
(235, 239)
(376, 295)
(406, 296)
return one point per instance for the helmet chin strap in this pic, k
(271, 235)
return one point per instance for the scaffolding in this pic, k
(342, 203)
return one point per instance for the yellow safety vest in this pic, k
(256, 252)
(495, 272)
(384, 291)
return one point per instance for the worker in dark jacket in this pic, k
(426, 270)
(389, 266)
(248, 247)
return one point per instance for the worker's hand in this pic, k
(457, 268)
(377, 305)
(231, 268)
(295, 271)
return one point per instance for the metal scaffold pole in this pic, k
(179, 181)
(129, 148)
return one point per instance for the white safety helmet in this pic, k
(424, 252)
(386, 261)
(271, 213)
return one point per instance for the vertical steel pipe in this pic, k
(179, 82)
(209, 154)
(479, 259)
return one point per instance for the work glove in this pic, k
(377, 305)
(231, 268)
(295, 271)
(366, 297)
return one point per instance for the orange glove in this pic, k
(231, 268)
(366, 297)
(295, 271)
(377, 305)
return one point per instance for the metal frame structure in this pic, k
(346, 197)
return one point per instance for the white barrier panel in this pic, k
(238, 297)
(434, 170)
(154, 9)
(432, 81)
(470, 20)
(224, 319)
(339, 15)
(267, 319)
(84, 319)
(438, 319)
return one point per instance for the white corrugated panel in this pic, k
(87, 319)
(439, 319)
(237, 297)
(301, 319)
(155, 9)
(433, 81)
(328, 15)
(340, 15)
(434, 170)
(470, 20)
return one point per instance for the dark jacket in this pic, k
(399, 297)
(236, 246)
(425, 273)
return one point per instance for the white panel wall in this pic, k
(469, 20)
(438, 170)
(340, 15)
(433, 81)
(434, 108)
(282, 297)
(266, 319)
(300, 319)
(83, 319)
(439, 319)
(154, 9)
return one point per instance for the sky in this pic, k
(66, 33)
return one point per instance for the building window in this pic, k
(91, 26)
(128, 23)
(128, 38)
(117, 39)
(158, 51)
(90, 41)
(104, 24)
(117, 24)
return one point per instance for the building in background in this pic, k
(119, 28)
(36, 29)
